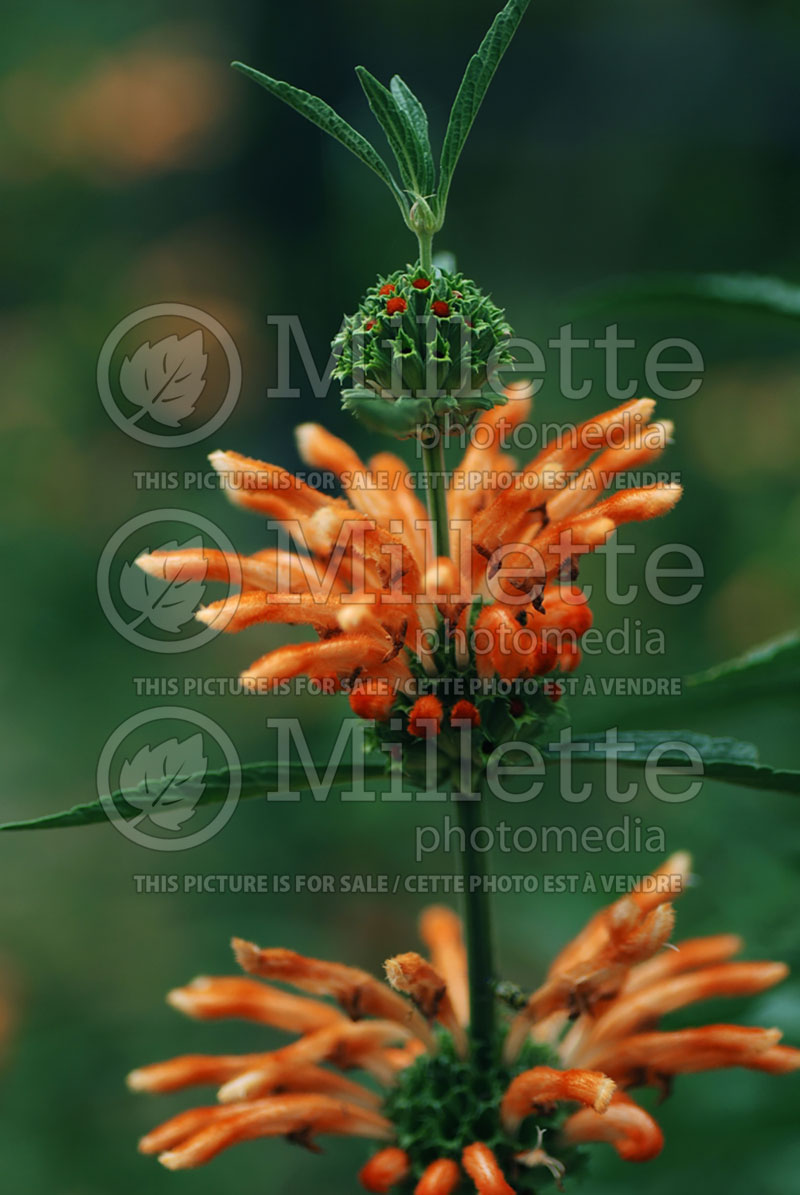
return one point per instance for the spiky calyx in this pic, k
(443, 1103)
(533, 719)
(419, 351)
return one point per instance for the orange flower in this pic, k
(366, 580)
(425, 716)
(584, 1038)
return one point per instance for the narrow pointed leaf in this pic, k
(725, 759)
(773, 666)
(727, 293)
(474, 85)
(395, 124)
(418, 121)
(327, 119)
(206, 788)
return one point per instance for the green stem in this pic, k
(436, 495)
(476, 899)
(478, 935)
(426, 251)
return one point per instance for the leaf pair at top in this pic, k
(405, 124)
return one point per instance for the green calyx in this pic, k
(423, 189)
(443, 1103)
(533, 719)
(419, 351)
(406, 374)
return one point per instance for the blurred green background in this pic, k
(618, 138)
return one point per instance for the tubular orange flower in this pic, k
(385, 1169)
(585, 1037)
(482, 1167)
(425, 716)
(411, 974)
(390, 614)
(544, 1085)
(465, 711)
(440, 1178)
(634, 1134)
(440, 930)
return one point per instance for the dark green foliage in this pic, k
(474, 85)
(727, 759)
(322, 115)
(732, 294)
(257, 780)
(405, 123)
(770, 668)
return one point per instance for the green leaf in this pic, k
(726, 759)
(418, 122)
(735, 293)
(399, 131)
(474, 85)
(203, 788)
(772, 666)
(322, 115)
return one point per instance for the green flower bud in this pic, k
(419, 350)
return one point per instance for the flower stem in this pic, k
(478, 934)
(436, 494)
(477, 919)
(425, 241)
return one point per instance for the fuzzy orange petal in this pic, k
(351, 1044)
(683, 1051)
(440, 1178)
(689, 955)
(544, 1085)
(409, 973)
(629, 1013)
(441, 931)
(633, 1133)
(298, 1116)
(385, 1170)
(337, 658)
(482, 1167)
(191, 1070)
(209, 999)
(359, 993)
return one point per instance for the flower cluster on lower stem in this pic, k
(556, 1078)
